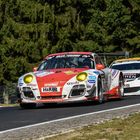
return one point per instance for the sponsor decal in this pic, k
(89, 86)
(96, 72)
(31, 85)
(72, 55)
(20, 81)
(89, 73)
(69, 72)
(91, 81)
(50, 89)
(114, 72)
(87, 56)
(20, 84)
(51, 84)
(72, 83)
(92, 77)
(67, 55)
(130, 76)
(35, 89)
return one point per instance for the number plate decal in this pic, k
(50, 89)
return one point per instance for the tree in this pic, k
(30, 30)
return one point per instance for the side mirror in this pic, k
(35, 69)
(100, 66)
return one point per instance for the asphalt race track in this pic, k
(14, 117)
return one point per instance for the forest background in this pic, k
(32, 29)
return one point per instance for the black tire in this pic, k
(49, 104)
(100, 92)
(27, 105)
(121, 86)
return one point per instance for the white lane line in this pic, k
(68, 118)
(1, 106)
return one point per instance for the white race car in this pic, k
(70, 77)
(131, 73)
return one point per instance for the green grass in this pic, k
(7, 105)
(116, 129)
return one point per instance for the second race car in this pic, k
(131, 73)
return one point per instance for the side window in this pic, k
(43, 65)
(98, 60)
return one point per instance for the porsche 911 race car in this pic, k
(131, 73)
(70, 77)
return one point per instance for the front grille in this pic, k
(131, 75)
(137, 75)
(28, 92)
(133, 89)
(78, 87)
(77, 90)
(51, 97)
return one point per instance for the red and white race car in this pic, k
(70, 77)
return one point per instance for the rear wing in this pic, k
(124, 54)
(109, 57)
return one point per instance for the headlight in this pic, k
(81, 76)
(28, 79)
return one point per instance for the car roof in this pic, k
(127, 60)
(70, 53)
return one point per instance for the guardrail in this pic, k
(124, 54)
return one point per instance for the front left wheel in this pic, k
(27, 105)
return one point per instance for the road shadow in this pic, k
(76, 104)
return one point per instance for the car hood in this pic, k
(55, 78)
(131, 71)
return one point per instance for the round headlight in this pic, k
(28, 79)
(81, 76)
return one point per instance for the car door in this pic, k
(104, 72)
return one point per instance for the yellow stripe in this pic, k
(128, 59)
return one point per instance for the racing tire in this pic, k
(27, 105)
(49, 104)
(121, 86)
(100, 92)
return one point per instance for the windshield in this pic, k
(66, 62)
(132, 66)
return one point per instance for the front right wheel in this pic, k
(100, 91)
(121, 86)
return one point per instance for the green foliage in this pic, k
(32, 29)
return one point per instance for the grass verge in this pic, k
(116, 129)
(8, 105)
